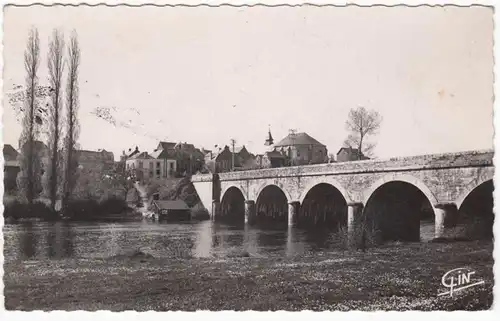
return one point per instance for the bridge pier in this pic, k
(250, 211)
(354, 211)
(293, 209)
(216, 210)
(443, 213)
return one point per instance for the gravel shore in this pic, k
(392, 277)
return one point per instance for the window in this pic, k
(151, 165)
(140, 164)
(157, 172)
(158, 164)
(171, 165)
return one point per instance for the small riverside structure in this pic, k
(175, 210)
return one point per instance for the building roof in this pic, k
(103, 153)
(9, 153)
(348, 149)
(143, 155)
(238, 149)
(132, 152)
(353, 151)
(184, 146)
(171, 205)
(274, 154)
(167, 145)
(160, 154)
(299, 139)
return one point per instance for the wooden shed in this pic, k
(175, 210)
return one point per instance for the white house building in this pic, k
(146, 166)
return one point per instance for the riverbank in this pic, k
(392, 277)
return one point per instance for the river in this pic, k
(42, 241)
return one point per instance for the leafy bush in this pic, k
(84, 210)
(472, 229)
(113, 205)
(20, 210)
(363, 236)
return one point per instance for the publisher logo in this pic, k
(459, 279)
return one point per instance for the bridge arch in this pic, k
(272, 204)
(232, 205)
(329, 181)
(472, 186)
(323, 204)
(475, 217)
(226, 188)
(400, 207)
(265, 185)
(367, 194)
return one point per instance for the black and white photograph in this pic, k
(248, 157)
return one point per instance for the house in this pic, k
(144, 166)
(175, 210)
(348, 154)
(221, 161)
(302, 149)
(98, 161)
(11, 168)
(188, 158)
(243, 159)
(274, 159)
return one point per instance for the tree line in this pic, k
(63, 63)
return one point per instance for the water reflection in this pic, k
(28, 240)
(205, 239)
(59, 240)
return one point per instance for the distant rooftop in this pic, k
(298, 139)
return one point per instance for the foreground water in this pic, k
(40, 240)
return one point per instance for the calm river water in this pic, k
(39, 241)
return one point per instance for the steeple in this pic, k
(269, 140)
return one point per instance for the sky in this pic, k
(206, 75)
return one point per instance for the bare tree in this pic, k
(29, 179)
(55, 64)
(362, 123)
(72, 104)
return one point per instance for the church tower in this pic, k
(269, 140)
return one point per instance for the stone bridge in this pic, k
(442, 181)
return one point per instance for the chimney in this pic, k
(136, 148)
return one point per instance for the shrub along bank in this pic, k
(111, 208)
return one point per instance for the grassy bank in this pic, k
(393, 277)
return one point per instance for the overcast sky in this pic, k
(206, 75)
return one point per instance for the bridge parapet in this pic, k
(435, 161)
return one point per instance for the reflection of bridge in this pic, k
(394, 190)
